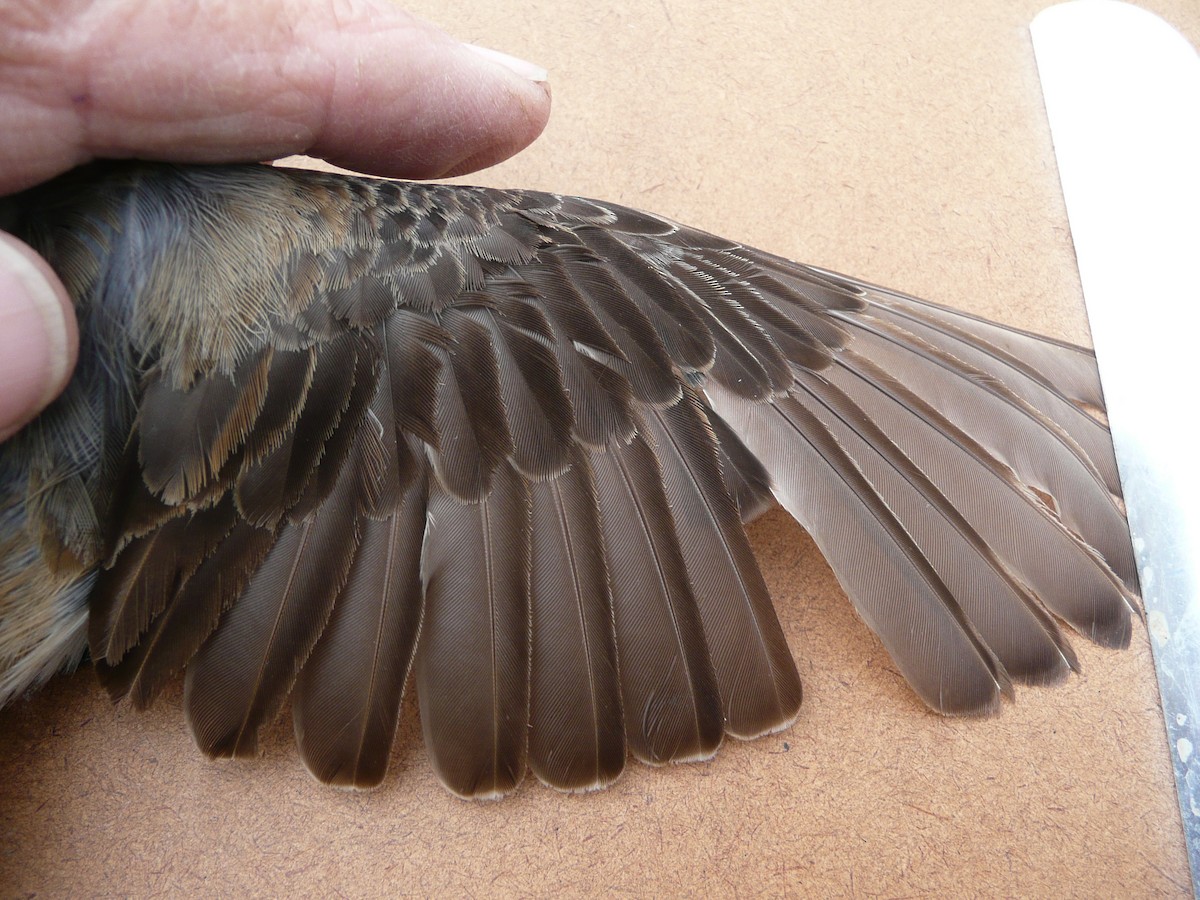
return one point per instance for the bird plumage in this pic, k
(329, 431)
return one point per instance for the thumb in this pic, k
(39, 339)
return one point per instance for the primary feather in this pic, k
(327, 431)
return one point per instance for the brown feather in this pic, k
(188, 617)
(669, 691)
(757, 679)
(472, 666)
(187, 435)
(678, 324)
(132, 592)
(1063, 571)
(886, 575)
(1010, 620)
(746, 480)
(347, 698)
(269, 487)
(238, 680)
(643, 360)
(473, 437)
(576, 729)
(747, 359)
(537, 414)
(1040, 452)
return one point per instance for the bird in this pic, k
(331, 435)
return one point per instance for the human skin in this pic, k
(359, 83)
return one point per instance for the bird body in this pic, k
(331, 434)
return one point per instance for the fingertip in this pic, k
(514, 119)
(39, 338)
(519, 67)
(361, 84)
(438, 107)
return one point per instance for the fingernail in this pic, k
(36, 337)
(526, 70)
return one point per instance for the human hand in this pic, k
(363, 85)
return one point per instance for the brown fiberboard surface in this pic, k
(903, 142)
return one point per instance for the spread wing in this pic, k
(502, 444)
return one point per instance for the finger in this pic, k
(38, 336)
(359, 83)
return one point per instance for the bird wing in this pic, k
(504, 442)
